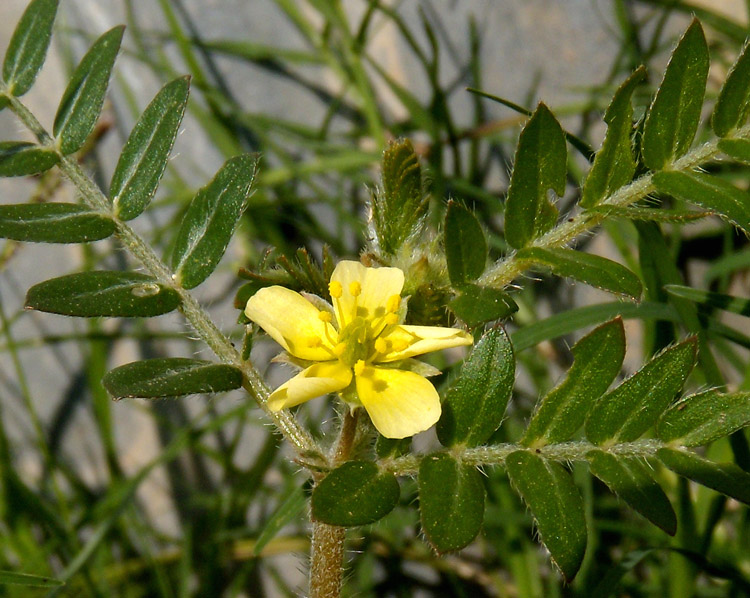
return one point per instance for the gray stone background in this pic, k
(567, 45)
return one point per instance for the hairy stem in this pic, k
(192, 310)
(327, 549)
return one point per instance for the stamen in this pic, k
(355, 288)
(381, 346)
(391, 319)
(325, 316)
(339, 349)
(359, 367)
(393, 304)
(335, 289)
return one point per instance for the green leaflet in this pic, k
(210, 221)
(13, 578)
(170, 377)
(726, 478)
(737, 149)
(549, 492)
(627, 411)
(28, 46)
(675, 112)
(709, 192)
(451, 502)
(356, 493)
(19, 158)
(477, 305)
(54, 223)
(649, 214)
(598, 359)
(465, 245)
(475, 403)
(589, 268)
(540, 165)
(701, 418)
(399, 209)
(733, 102)
(287, 512)
(629, 478)
(146, 153)
(736, 305)
(103, 293)
(83, 98)
(614, 163)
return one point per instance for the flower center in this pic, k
(355, 342)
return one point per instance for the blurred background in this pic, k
(196, 497)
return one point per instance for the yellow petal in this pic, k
(418, 340)
(399, 403)
(373, 287)
(293, 322)
(317, 380)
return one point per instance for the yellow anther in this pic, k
(339, 349)
(391, 319)
(335, 289)
(325, 316)
(355, 288)
(359, 367)
(381, 345)
(393, 304)
(400, 345)
(314, 342)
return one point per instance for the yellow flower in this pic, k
(359, 343)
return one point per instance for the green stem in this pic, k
(192, 310)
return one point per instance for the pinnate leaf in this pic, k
(146, 153)
(629, 478)
(726, 478)
(28, 46)
(709, 192)
(614, 163)
(475, 403)
(627, 411)
(549, 492)
(54, 223)
(540, 165)
(210, 221)
(19, 158)
(675, 112)
(733, 102)
(83, 98)
(170, 377)
(465, 245)
(451, 502)
(701, 418)
(103, 293)
(589, 268)
(598, 359)
(356, 493)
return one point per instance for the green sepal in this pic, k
(28, 46)
(597, 361)
(19, 158)
(709, 192)
(356, 493)
(628, 410)
(674, 114)
(540, 165)
(103, 293)
(465, 245)
(475, 403)
(82, 101)
(614, 164)
(210, 221)
(476, 305)
(726, 478)
(146, 152)
(556, 505)
(629, 478)
(451, 502)
(170, 377)
(701, 418)
(592, 269)
(53, 223)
